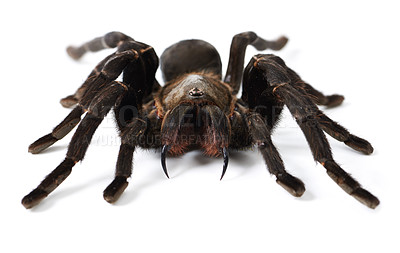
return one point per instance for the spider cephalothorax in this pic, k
(196, 109)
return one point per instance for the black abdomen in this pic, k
(190, 56)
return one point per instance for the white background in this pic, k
(346, 47)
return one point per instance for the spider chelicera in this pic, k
(195, 109)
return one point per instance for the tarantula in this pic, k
(195, 109)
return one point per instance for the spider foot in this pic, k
(34, 198)
(69, 101)
(112, 193)
(279, 43)
(291, 184)
(350, 185)
(42, 143)
(51, 182)
(359, 144)
(334, 100)
(76, 52)
(58, 132)
(365, 197)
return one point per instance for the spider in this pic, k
(196, 109)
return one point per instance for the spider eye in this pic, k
(196, 92)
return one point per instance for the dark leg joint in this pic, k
(68, 123)
(341, 177)
(103, 102)
(114, 39)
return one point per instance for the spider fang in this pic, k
(226, 160)
(164, 152)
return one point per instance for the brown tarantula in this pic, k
(196, 110)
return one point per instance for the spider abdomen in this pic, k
(190, 56)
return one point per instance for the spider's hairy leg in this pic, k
(111, 70)
(271, 71)
(58, 132)
(341, 134)
(71, 100)
(97, 110)
(73, 118)
(239, 44)
(141, 75)
(329, 126)
(318, 97)
(78, 145)
(130, 138)
(110, 40)
(262, 138)
(304, 111)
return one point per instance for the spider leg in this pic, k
(275, 75)
(97, 110)
(62, 129)
(71, 100)
(341, 134)
(318, 97)
(239, 44)
(110, 40)
(329, 126)
(111, 70)
(262, 138)
(141, 76)
(139, 63)
(304, 111)
(129, 138)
